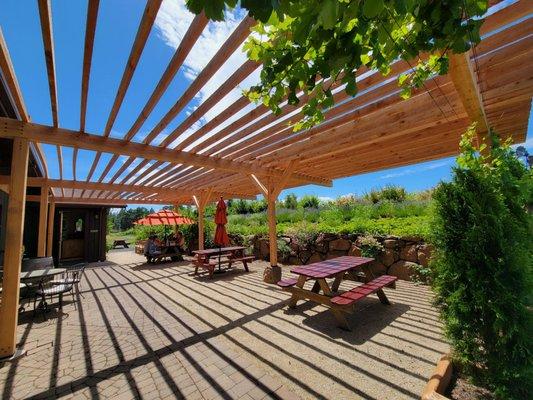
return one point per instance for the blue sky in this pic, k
(116, 28)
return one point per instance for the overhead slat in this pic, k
(45, 15)
(191, 36)
(90, 29)
(147, 21)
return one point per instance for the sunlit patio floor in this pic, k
(145, 331)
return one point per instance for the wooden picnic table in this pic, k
(232, 254)
(336, 269)
(171, 251)
(120, 242)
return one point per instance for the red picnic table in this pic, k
(231, 254)
(337, 269)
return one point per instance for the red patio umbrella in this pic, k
(221, 236)
(164, 217)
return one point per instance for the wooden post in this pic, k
(13, 248)
(201, 200)
(271, 192)
(43, 219)
(272, 234)
(50, 233)
(201, 238)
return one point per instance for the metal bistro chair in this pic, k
(73, 276)
(50, 288)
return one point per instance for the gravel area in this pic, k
(143, 331)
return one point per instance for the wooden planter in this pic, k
(440, 380)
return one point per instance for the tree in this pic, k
(483, 268)
(309, 201)
(309, 47)
(291, 202)
(125, 218)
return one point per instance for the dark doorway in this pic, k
(80, 234)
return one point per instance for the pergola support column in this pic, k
(43, 219)
(201, 200)
(50, 232)
(13, 248)
(271, 190)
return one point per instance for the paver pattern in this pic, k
(157, 331)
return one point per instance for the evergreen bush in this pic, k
(482, 235)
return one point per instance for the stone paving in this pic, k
(144, 331)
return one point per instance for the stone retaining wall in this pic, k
(402, 257)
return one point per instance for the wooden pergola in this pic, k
(257, 153)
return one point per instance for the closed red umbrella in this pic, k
(221, 236)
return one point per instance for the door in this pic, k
(93, 235)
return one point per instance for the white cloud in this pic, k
(412, 171)
(172, 22)
(528, 144)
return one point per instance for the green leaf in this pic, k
(372, 8)
(328, 13)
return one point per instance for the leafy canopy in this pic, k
(309, 47)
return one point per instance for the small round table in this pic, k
(38, 274)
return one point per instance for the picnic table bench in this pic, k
(120, 242)
(171, 252)
(231, 255)
(338, 269)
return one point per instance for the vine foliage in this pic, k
(310, 47)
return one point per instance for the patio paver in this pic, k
(159, 332)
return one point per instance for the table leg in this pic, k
(294, 298)
(337, 282)
(324, 286)
(316, 287)
(231, 256)
(341, 319)
(370, 275)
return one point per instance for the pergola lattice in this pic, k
(259, 153)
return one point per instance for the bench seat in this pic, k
(364, 290)
(287, 282)
(245, 258)
(211, 264)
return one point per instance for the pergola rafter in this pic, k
(147, 21)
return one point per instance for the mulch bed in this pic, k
(461, 389)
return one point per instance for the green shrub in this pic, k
(309, 201)
(390, 192)
(291, 202)
(370, 247)
(482, 235)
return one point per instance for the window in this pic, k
(79, 225)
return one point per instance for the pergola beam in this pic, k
(64, 137)
(163, 194)
(8, 72)
(464, 79)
